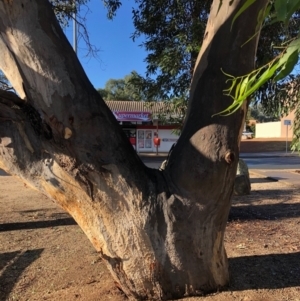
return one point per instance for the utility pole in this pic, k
(74, 29)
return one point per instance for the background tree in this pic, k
(160, 232)
(172, 31)
(122, 89)
(258, 112)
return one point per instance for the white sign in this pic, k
(132, 116)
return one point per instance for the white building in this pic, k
(277, 129)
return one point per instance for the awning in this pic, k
(132, 116)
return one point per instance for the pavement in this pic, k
(289, 176)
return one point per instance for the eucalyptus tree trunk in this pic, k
(160, 232)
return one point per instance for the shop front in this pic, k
(145, 140)
(129, 122)
(146, 135)
(144, 132)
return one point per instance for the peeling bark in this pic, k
(160, 232)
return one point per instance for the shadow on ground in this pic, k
(262, 180)
(12, 265)
(264, 212)
(37, 224)
(274, 271)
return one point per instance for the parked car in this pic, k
(247, 135)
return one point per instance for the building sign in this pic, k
(132, 116)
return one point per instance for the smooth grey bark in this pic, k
(160, 232)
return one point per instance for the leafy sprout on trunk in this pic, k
(242, 87)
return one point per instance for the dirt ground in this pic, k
(44, 255)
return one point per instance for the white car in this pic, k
(247, 135)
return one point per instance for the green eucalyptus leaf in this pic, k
(292, 6)
(288, 67)
(293, 46)
(242, 9)
(263, 13)
(281, 9)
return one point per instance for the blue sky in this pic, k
(118, 54)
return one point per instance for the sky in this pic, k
(118, 54)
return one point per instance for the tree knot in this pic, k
(229, 157)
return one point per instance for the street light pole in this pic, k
(286, 122)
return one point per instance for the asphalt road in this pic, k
(257, 161)
(269, 162)
(263, 161)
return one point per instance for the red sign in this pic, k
(132, 116)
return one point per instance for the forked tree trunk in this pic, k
(160, 233)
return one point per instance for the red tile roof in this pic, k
(132, 106)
